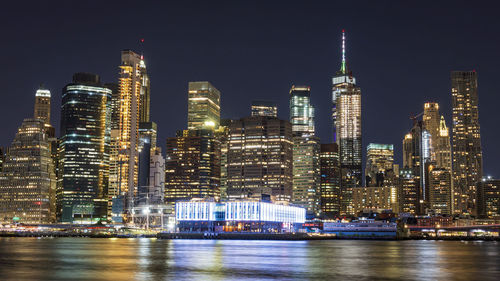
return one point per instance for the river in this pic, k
(152, 259)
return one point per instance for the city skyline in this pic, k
(381, 101)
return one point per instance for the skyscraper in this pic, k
(330, 180)
(306, 149)
(440, 191)
(379, 159)
(259, 159)
(431, 121)
(192, 167)
(42, 105)
(27, 177)
(264, 108)
(409, 194)
(132, 84)
(346, 97)
(203, 106)
(466, 140)
(488, 201)
(84, 148)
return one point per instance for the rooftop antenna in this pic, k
(343, 67)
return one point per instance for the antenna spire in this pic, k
(343, 67)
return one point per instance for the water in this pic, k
(151, 259)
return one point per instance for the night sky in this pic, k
(401, 55)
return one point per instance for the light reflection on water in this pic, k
(151, 259)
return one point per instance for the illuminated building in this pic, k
(306, 148)
(264, 108)
(222, 133)
(192, 168)
(431, 121)
(260, 157)
(488, 198)
(466, 140)
(417, 157)
(148, 132)
(115, 105)
(237, 216)
(409, 195)
(442, 147)
(132, 83)
(203, 106)
(2, 158)
(42, 105)
(374, 197)
(379, 159)
(346, 114)
(84, 148)
(440, 191)
(27, 178)
(330, 180)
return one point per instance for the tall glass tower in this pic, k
(346, 115)
(301, 110)
(84, 146)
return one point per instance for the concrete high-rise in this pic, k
(131, 85)
(84, 148)
(259, 159)
(379, 159)
(264, 108)
(346, 97)
(466, 141)
(203, 106)
(330, 180)
(27, 178)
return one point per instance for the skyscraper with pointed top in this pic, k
(346, 115)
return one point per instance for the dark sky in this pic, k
(400, 53)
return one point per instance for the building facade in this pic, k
(379, 159)
(375, 198)
(440, 191)
(264, 108)
(84, 148)
(466, 140)
(203, 106)
(489, 198)
(330, 180)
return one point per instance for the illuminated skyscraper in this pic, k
(132, 84)
(442, 147)
(488, 198)
(259, 157)
(409, 194)
(192, 167)
(264, 108)
(301, 110)
(440, 190)
(203, 106)
(346, 97)
(379, 159)
(330, 180)
(84, 148)
(42, 105)
(27, 176)
(466, 140)
(431, 119)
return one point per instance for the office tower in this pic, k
(440, 191)
(148, 132)
(330, 180)
(346, 97)
(115, 105)
(145, 97)
(151, 189)
(417, 158)
(409, 194)
(27, 176)
(131, 86)
(222, 133)
(301, 110)
(466, 140)
(259, 158)
(42, 105)
(203, 106)
(84, 148)
(379, 159)
(488, 201)
(306, 149)
(114, 146)
(264, 108)
(192, 167)
(431, 121)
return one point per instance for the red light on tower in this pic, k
(142, 40)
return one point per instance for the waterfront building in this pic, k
(409, 194)
(264, 108)
(466, 140)
(259, 158)
(203, 106)
(84, 148)
(238, 216)
(440, 191)
(379, 159)
(330, 180)
(27, 180)
(374, 197)
(489, 198)
(192, 167)
(132, 83)
(346, 114)
(306, 149)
